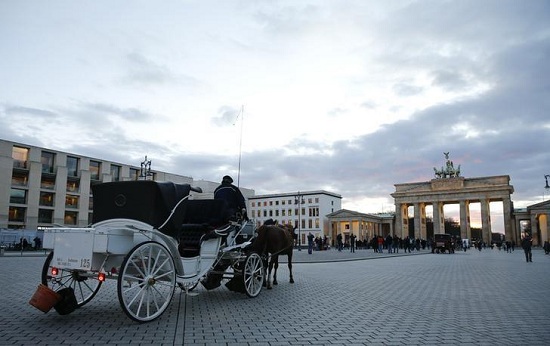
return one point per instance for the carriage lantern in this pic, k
(547, 187)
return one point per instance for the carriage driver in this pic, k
(233, 196)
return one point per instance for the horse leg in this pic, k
(269, 285)
(266, 266)
(290, 267)
(276, 264)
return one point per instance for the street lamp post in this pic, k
(299, 200)
(145, 169)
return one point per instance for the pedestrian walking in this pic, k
(526, 244)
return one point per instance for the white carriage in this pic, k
(151, 238)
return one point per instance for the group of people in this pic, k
(317, 243)
(236, 206)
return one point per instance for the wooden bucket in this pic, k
(44, 298)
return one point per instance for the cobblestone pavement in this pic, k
(468, 298)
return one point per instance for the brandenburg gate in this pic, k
(448, 187)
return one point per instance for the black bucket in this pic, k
(68, 302)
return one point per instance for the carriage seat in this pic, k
(202, 217)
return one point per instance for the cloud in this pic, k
(147, 72)
(351, 98)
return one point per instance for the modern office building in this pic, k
(306, 211)
(41, 187)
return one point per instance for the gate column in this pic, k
(439, 222)
(402, 219)
(465, 231)
(507, 214)
(485, 222)
(420, 220)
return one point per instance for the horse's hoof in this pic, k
(291, 281)
(269, 287)
(275, 283)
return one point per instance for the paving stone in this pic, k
(468, 298)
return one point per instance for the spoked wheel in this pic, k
(146, 282)
(85, 287)
(253, 274)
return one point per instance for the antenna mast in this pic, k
(240, 147)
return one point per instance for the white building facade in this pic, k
(40, 187)
(306, 211)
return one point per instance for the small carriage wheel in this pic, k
(253, 274)
(146, 282)
(85, 286)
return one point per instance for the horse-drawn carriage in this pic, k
(151, 238)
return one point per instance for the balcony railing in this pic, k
(20, 164)
(49, 170)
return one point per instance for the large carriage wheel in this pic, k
(146, 282)
(85, 287)
(253, 274)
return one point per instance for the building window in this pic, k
(253, 214)
(115, 172)
(71, 218)
(20, 157)
(47, 199)
(72, 166)
(18, 196)
(95, 170)
(134, 174)
(283, 212)
(253, 204)
(313, 211)
(91, 203)
(47, 159)
(45, 215)
(317, 223)
(47, 182)
(277, 213)
(71, 201)
(289, 212)
(317, 200)
(20, 178)
(17, 214)
(73, 185)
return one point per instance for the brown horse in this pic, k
(274, 240)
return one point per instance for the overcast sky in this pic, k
(347, 96)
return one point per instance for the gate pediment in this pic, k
(447, 184)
